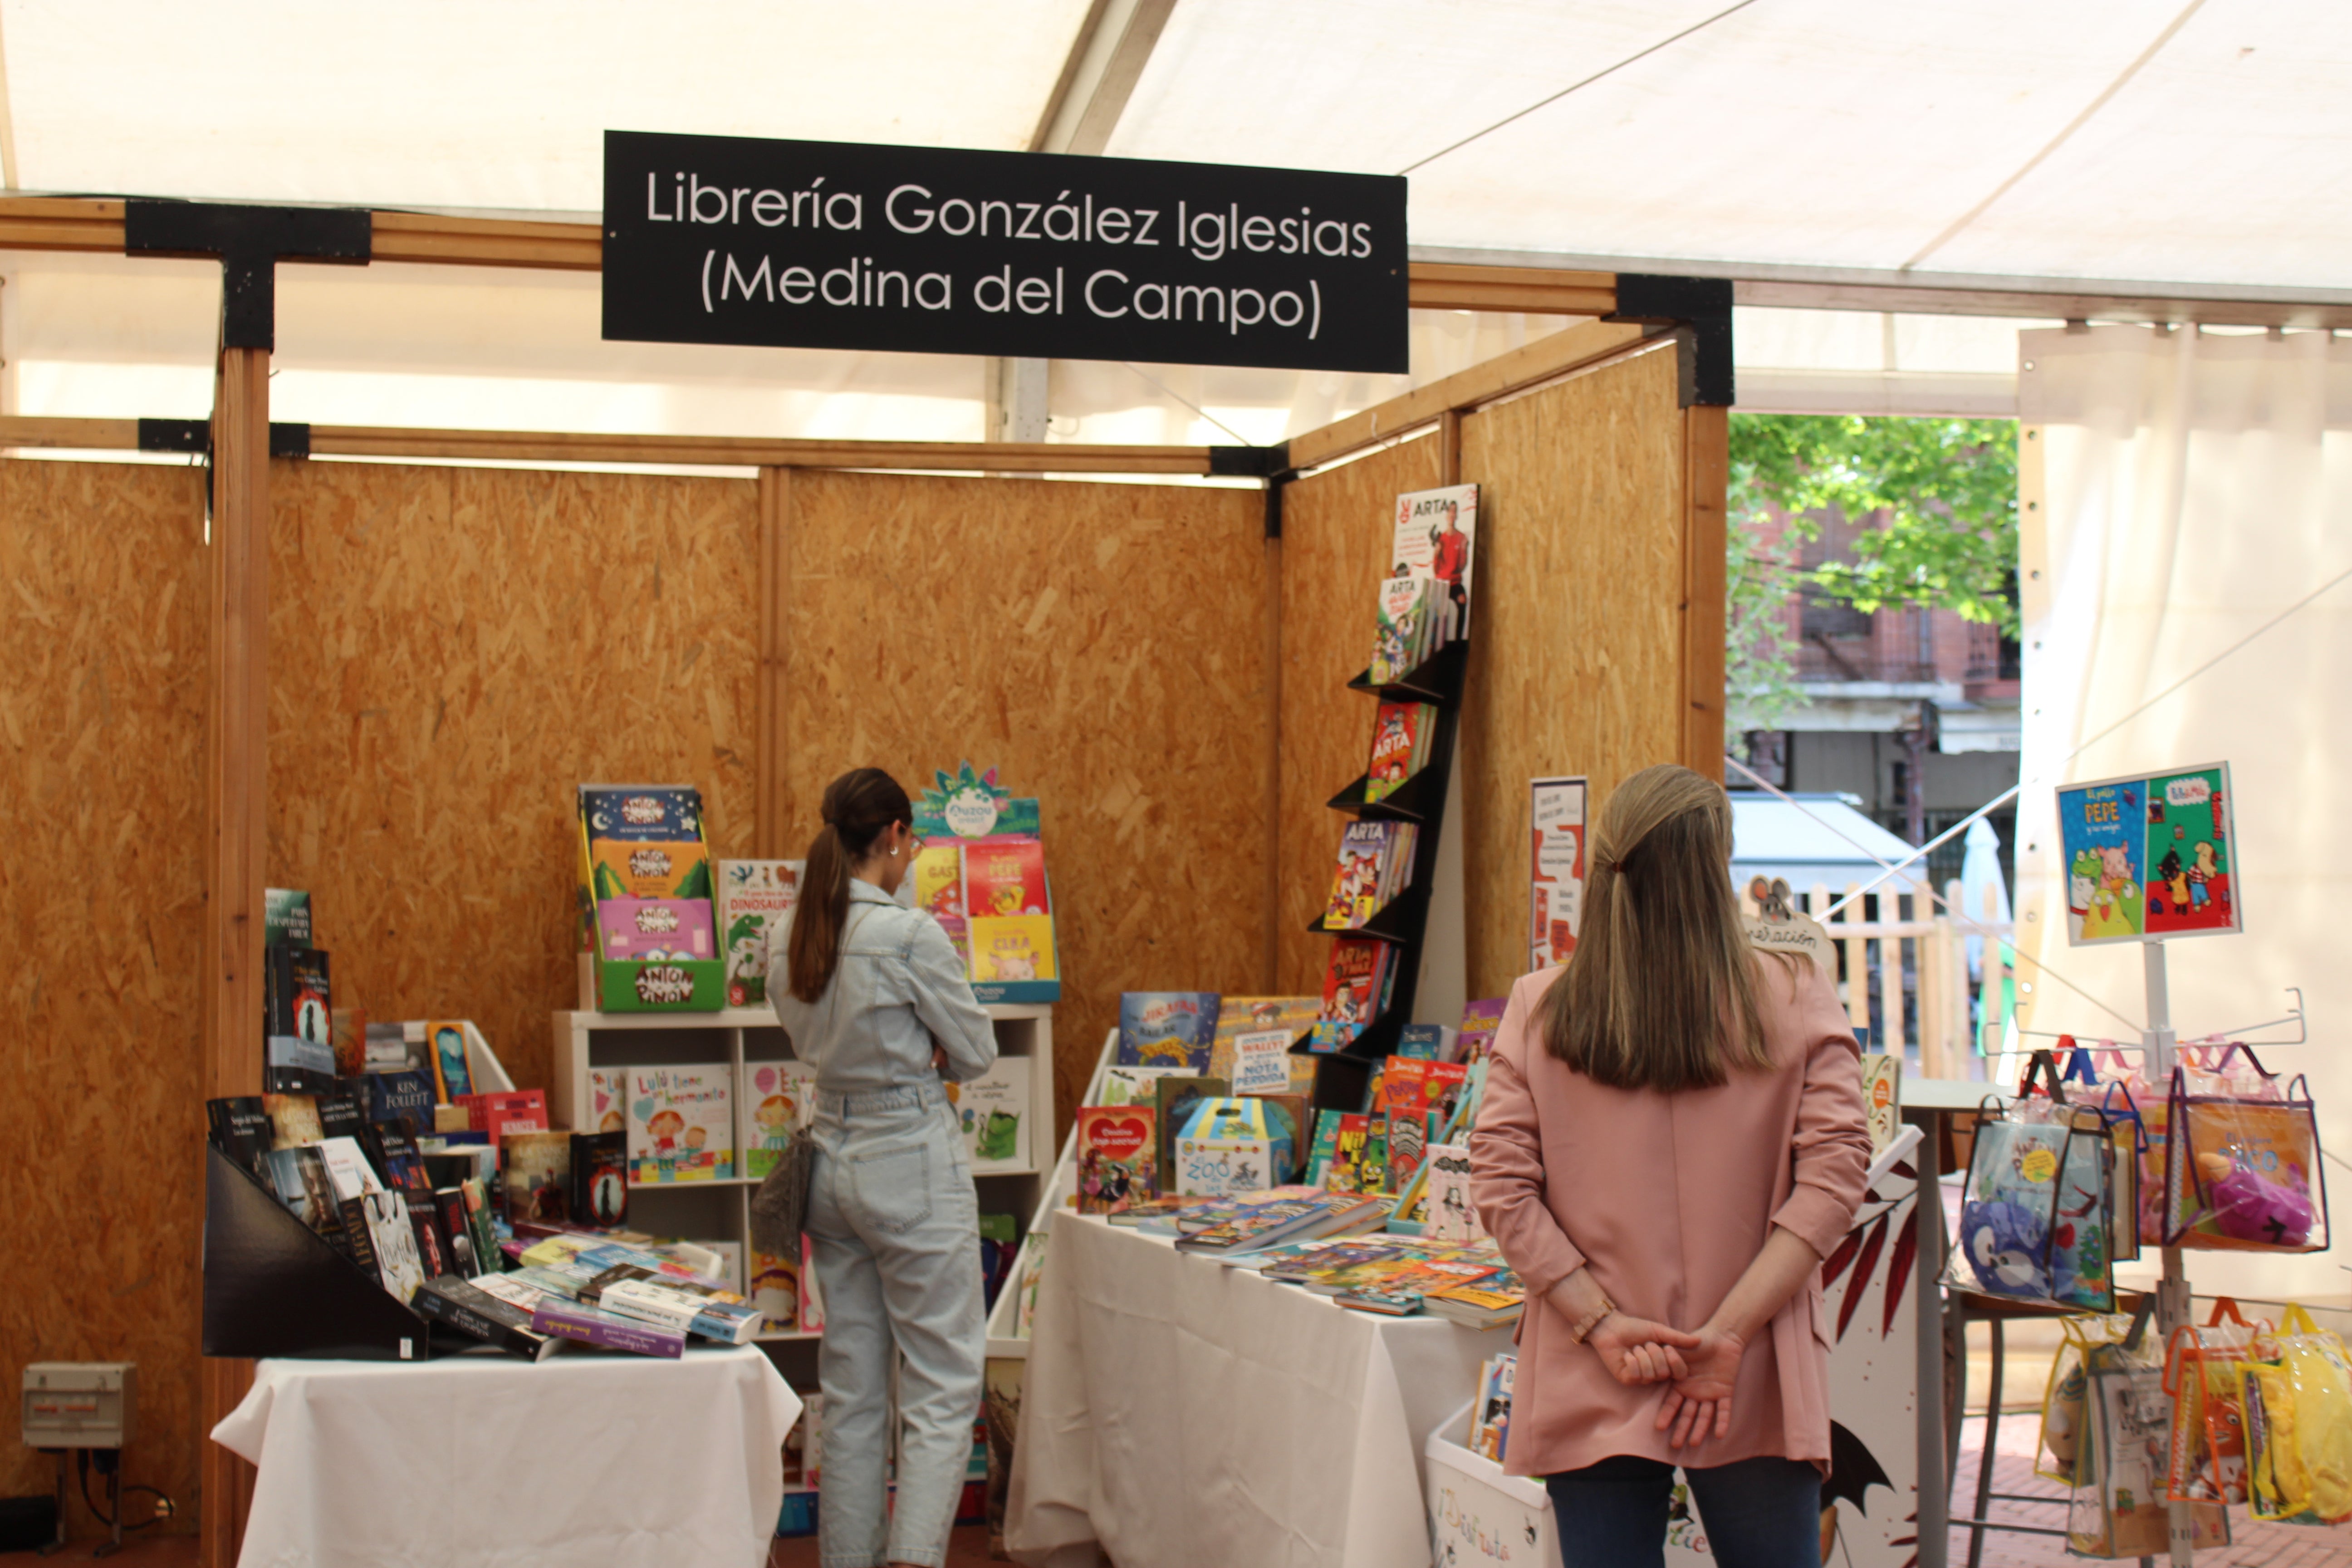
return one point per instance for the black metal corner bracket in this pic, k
(1702, 306)
(251, 241)
(1249, 462)
(194, 437)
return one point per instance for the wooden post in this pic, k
(1270, 780)
(1706, 473)
(771, 816)
(1890, 972)
(1449, 446)
(1857, 962)
(236, 770)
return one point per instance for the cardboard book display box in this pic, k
(1002, 901)
(664, 859)
(274, 1287)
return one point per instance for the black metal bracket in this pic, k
(194, 437)
(250, 240)
(1275, 485)
(1250, 462)
(1698, 305)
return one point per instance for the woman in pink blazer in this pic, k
(1672, 1140)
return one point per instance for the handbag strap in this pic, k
(2078, 1063)
(2045, 1065)
(2225, 1310)
(2297, 1319)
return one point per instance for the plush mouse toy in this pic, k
(2004, 1245)
(2250, 1206)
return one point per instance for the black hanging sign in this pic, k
(731, 239)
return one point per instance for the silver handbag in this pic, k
(780, 1206)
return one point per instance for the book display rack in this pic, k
(1342, 1077)
(273, 1287)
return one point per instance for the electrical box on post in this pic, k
(80, 1404)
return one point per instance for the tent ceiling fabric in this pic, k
(2171, 141)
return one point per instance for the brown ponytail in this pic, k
(858, 807)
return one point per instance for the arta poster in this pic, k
(2149, 856)
(1556, 886)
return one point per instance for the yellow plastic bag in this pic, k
(2298, 1410)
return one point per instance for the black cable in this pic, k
(165, 1507)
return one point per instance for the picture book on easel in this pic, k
(2149, 856)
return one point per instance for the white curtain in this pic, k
(2180, 490)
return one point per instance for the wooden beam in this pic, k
(60, 223)
(74, 435)
(488, 242)
(2040, 304)
(229, 997)
(1449, 448)
(771, 821)
(1541, 360)
(1706, 472)
(1438, 286)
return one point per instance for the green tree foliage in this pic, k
(1946, 489)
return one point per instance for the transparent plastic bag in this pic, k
(2037, 1211)
(2065, 1397)
(2117, 1506)
(2208, 1457)
(2242, 1161)
(2298, 1426)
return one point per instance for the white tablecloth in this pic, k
(1177, 1411)
(580, 1461)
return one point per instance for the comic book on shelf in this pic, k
(1401, 733)
(1355, 984)
(1434, 541)
(1375, 864)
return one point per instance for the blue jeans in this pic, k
(893, 1227)
(1757, 1513)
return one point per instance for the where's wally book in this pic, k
(1435, 538)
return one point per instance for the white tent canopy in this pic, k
(2164, 145)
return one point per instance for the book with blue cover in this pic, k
(642, 813)
(1167, 1028)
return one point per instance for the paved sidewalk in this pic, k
(2256, 1545)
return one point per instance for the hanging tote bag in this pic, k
(2242, 1166)
(2117, 1506)
(2208, 1460)
(2038, 1205)
(2065, 1398)
(2298, 1414)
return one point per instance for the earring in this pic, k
(894, 854)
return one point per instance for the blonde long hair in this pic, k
(1662, 991)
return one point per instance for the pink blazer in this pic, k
(1668, 1199)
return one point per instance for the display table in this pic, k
(579, 1460)
(1177, 1411)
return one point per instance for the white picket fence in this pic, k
(1915, 966)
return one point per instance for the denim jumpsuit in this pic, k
(893, 1225)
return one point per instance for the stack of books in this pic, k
(1375, 866)
(1398, 1276)
(1411, 627)
(1357, 984)
(1424, 603)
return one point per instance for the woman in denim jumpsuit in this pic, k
(874, 997)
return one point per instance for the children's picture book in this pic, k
(1323, 1148)
(607, 1092)
(1408, 1142)
(1117, 1157)
(938, 881)
(1400, 638)
(1490, 1418)
(1882, 1100)
(2150, 856)
(1178, 1098)
(538, 1176)
(1476, 1038)
(779, 1099)
(1135, 1086)
(1012, 948)
(999, 1238)
(1354, 980)
(1401, 733)
(1450, 1215)
(754, 896)
(512, 1111)
(1410, 1085)
(1359, 1156)
(1430, 1042)
(631, 929)
(641, 812)
(1261, 1062)
(776, 1288)
(1362, 848)
(680, 1122)
(993, 1111)
(656, 869)
(1166, 1028)
(1004, 876)
(1556, 874)
(1248, 1014)
(1434, 540)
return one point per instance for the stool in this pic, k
(1963, 1308)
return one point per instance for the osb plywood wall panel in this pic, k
(1576, 664)
(1336, 530)
(1099, 644)
(101, 742)
(451, 651)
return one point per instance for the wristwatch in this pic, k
(1592, 1320)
